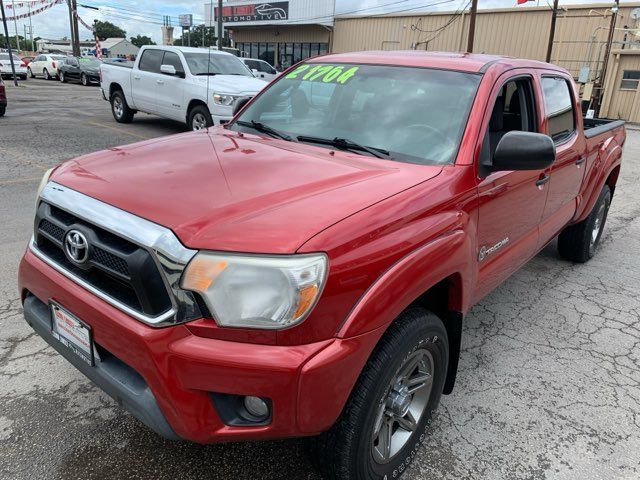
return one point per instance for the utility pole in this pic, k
(220, 25)
(6, 36)
(15, 23)
(33, 46)
(76, 43)
(71, 23)
(552, 32)
(472, 25)
(607, 51)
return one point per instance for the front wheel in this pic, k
(63, 77)
(84, 80)
(387, 415)
(30, 73)
(578, 243)
(199, 118)
(120, 109)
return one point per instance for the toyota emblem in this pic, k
(76, 247)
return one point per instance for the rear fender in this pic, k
(608, 159)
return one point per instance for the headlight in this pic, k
(224, 99)
(43, 183)
(250, 291)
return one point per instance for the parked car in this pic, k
(85, 70)
(5, 66)
(306, 268)
(192, 85)
(27, 60)
(45, 65)
(3, 98)
(260, 68)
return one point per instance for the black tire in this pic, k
(62, 77)
(84, 80)
(30, 72)
(46, 74)
(120, 109)
(350, 450)
(578, 243)
(2, 111)
(199, 118)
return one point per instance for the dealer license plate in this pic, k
(72, 333)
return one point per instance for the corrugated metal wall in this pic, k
(618, 102)
(521, 32)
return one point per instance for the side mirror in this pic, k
(171, 70)
(523, 151)
(240, 105)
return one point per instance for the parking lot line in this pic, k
(119, 130)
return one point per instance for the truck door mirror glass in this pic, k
(523, 151)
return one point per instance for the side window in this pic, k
(251, 64)
(173, 59)
(513, 110)
(630, 79)
(264, 67)
(151, 60)
(559, 107)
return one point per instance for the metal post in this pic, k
(6, 36)
(71, 22)
(472, 25)
(552, 31)
(204, 27)
(607, 53)
(15, 23)
(220, 27)
(33, 45)
(76, 43)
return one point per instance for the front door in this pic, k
(169, 91)
(567, 172)
(511, 203)
(144, 81)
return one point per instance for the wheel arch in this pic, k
(195, 102)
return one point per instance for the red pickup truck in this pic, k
(305, 269)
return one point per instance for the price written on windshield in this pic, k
(324, 73)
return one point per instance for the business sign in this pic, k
(185, 20)
(256, 12)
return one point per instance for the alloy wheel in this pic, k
(199, 122)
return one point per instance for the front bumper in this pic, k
(165, 377)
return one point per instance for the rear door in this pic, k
(511, 203)
(170, 88)
(144, 80)
(567, 172)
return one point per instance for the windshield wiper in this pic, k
(261, 127)
(346, 144)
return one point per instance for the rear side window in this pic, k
(559, 107)
(151, 61)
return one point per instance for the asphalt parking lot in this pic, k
(549, 381)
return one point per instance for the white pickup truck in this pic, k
(194, 85)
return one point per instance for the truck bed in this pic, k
(598, 126)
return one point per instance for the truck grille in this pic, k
(115, 266)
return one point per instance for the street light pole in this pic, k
(6, 36)
(15, 23)
(33, 46)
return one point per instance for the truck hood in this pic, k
(221, 190)
(233, 84)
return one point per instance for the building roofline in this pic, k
(432, 13)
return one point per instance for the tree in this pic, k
(142, 40)
(106, 30)
(196, 37)
(14, 43)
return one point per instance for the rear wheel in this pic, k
(199, 118)
(46, 74)
(386, 418)
(578, 243)
(2, 111)
(121, 111)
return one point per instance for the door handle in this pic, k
(544, 178)
(136, 77)
(580, 161)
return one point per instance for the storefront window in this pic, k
(288, 53)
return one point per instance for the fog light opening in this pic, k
(256, 407)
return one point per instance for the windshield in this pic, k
(90, 62)
(215, 64)
(415, 115)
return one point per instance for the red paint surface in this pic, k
(390, 230)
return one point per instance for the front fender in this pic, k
(447, 255)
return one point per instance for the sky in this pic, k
(144, 17)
